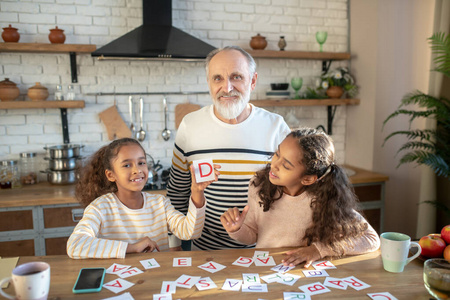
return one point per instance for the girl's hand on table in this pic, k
(308, 255)
(143, 245)
(232, 219)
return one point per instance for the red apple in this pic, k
(445, 234)
(432, 246)
(447, 253)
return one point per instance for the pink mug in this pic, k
(31, 281)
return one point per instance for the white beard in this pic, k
(231, 109)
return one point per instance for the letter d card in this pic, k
(204, 170)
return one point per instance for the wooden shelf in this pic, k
(305, 102)
(299, 54)
(41, 104)
(46, 48)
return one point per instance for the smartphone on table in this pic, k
(90, 280)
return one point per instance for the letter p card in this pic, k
(204, 170)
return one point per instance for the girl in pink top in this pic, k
(302, 199)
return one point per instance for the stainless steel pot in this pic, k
(64, 151)
(61, 177)
(63, 164)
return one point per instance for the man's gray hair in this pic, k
(251, 62)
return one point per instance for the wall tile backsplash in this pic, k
(218, 22)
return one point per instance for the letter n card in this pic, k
(204, 170)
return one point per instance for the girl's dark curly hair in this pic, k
(334, 200)
(93, 182)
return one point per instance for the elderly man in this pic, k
(235, 134)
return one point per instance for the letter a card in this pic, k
(204, 170)
(212, 267)
(264, 261)
(321, 265)
(335, 283)
(314, 288)
(116, 269)
(118, 285)
(232, 285)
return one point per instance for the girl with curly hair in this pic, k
(119, 218)
(302, 199)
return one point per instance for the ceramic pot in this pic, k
(8, 90)
(258, 42)
(57, 36)
(335, 92)
(282, 43)
(38, 92)
(10, 34)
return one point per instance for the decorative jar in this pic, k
(8, 90)
(258, 42)
(38, 92)
(57, 36)
(9, 174)
(335, 92)
(29, 168)
(10, 34)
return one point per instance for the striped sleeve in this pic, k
(83, 242)
(185, 227)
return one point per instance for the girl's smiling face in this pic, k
(129, 169)
(287, 170)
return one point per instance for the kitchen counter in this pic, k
(47, 194)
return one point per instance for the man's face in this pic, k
(230, 83)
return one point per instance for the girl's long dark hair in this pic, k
(93, 182)
(334, 200)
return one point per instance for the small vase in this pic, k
(335, 92)
(38, 92)
(56, 36)
(10, 34)
(8, 90)
(258, 42)
(282, 43)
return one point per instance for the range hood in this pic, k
(156, 39)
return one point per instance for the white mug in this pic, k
(395, 249)
(31, 281)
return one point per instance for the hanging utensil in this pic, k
(130, 108)
(140, 135)
(166, 132)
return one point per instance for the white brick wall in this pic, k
(219, 22)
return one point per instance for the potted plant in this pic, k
(430, 147)
(338, 82)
